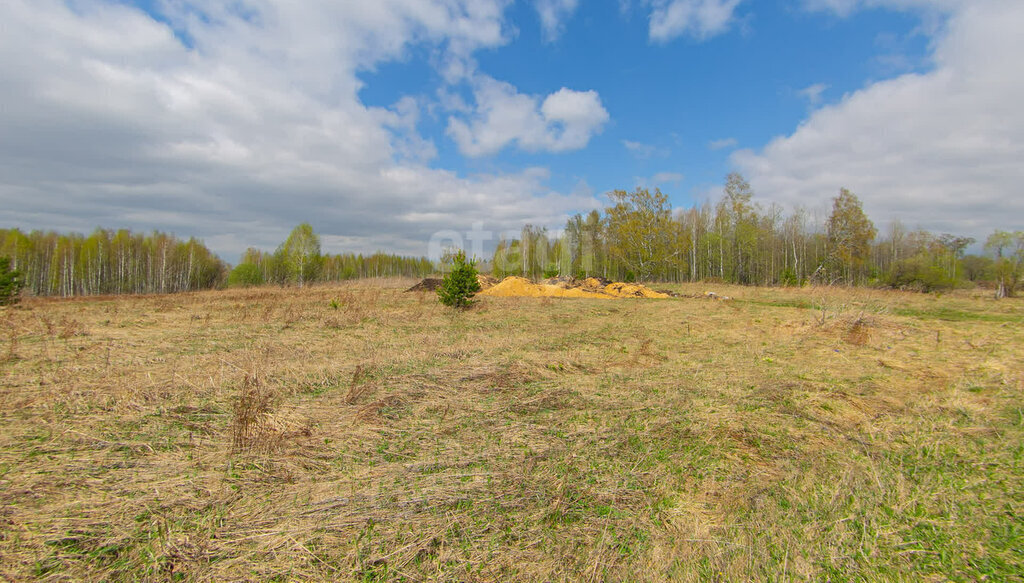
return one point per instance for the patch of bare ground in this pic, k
(356, 432)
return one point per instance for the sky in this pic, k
(403, 125)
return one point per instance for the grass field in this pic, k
(360, 433)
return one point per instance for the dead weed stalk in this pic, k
(252, 408)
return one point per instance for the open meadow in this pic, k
(356, 432)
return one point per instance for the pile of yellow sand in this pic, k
(589, 288)
(522, 287)
(486, 281)
(632, 290)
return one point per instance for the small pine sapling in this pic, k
(459, 284)
(11, 283)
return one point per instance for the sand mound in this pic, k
(632, 290)
(522, 287)
(555, 287)
(567, 288)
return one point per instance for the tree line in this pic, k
(639, 236)
(109, 262)
(48, 263)
(299, 261)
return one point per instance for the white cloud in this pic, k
(659, 180)
(665, 178)
(553, 14)
(840, 7)
(941, 149)
(844, 8)
(812, 93)
(643, 151)
(565, 120)
(723, 144)
(253, 125)
(700, 19)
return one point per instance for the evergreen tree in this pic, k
(459, 284)
(10, 283)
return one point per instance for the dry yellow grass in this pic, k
(789, 434)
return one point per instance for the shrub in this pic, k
(10, 283)
(245, 275)
(788, 278)
(918, 273)
(459, 284)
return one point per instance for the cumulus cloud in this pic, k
(723, 144)
(234, 120)
(659, 180)
(844, 8)
(643, 151)
(565, 120)
(700, 19)
(553, 14)
(664, 178)
(812, 93)
(941, 149)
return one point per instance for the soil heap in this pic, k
(432, 283)
(428, 284)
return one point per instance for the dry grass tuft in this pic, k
(858, 331)
(360, 386)
(251, 419)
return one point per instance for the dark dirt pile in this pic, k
(428, 284)
(432, 283)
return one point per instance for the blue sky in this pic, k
(678, 101)
(391, 123)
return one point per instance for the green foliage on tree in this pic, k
(737, 240)
(639, 231)
(245, 275)
(977, 268)
(739, 225)
(927, 263)
(10, 283)
(275, 268)
(850, 233)
(123, 262)
(459, 284)
(919, 273)
(1007, 250)
(300, 255)
(110, 262)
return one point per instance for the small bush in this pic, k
(919, 274)
(788, 278)
(245, 275)
(459, 284)
(10, 283)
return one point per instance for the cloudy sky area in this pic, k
(382, 123)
